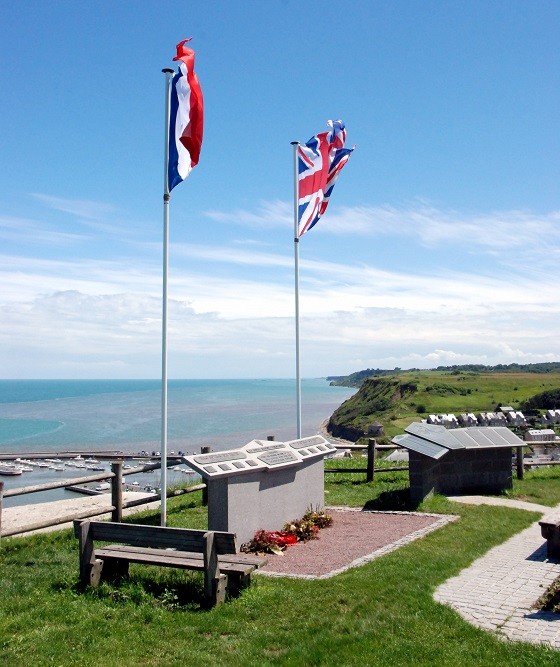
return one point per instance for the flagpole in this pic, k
(295, 144)
(166, 196)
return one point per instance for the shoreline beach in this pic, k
(28, 515)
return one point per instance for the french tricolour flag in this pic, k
(186, 114)
(320, 162)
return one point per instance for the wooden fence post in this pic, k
(116, 491)
(520, 468)
(370, 459)
(205, 450)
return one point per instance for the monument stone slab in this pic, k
(263, 484)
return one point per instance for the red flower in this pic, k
(283, 539)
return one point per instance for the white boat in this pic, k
(9, 470)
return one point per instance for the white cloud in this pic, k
(101, 217)
(232, 255)
(270, 214)
(231, 309)
(70, 329)
(25, 230)
(80, 208)
(434, 227)
(23, 278)
(531, 235)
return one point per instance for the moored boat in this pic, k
(9, 470)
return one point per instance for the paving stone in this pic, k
(498, 590)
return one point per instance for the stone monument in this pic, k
(263, 484)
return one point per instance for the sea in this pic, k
(59, 416)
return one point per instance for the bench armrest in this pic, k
(86, 555)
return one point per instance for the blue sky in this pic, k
(441, 241)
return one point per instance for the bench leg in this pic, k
(221, 587)
(215, 583)
(237, 582)
(95, 572)
(215, 591)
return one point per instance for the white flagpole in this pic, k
(166, 196)
(295, 144)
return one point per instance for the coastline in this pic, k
(338, 441)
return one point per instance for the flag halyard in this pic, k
(320, 162)
(186, 118)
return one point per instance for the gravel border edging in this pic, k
(442, 520)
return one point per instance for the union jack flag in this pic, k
(320, 162)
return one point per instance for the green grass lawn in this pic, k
(381, 613)
(438, 392)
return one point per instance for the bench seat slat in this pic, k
(179, 559)
(243, 559)
(184, 561)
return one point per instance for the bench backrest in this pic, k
(163, 537)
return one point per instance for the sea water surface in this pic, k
(56, 416)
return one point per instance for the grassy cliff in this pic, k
(399, 399)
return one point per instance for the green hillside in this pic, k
(397, 400)
(356, 379)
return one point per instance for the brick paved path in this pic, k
(498, 590)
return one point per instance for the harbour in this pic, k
(67, 472)
(49, 425)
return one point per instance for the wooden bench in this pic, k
(213, 552)
(550, 530)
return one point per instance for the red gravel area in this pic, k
(353, 536)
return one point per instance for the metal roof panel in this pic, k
(487, 436)
(420, 445)
(471, 437)
(434, 433)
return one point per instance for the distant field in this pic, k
(397, 400)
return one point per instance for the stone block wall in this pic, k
(243, 504)
(460, 471)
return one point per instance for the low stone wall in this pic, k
(460, 471)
